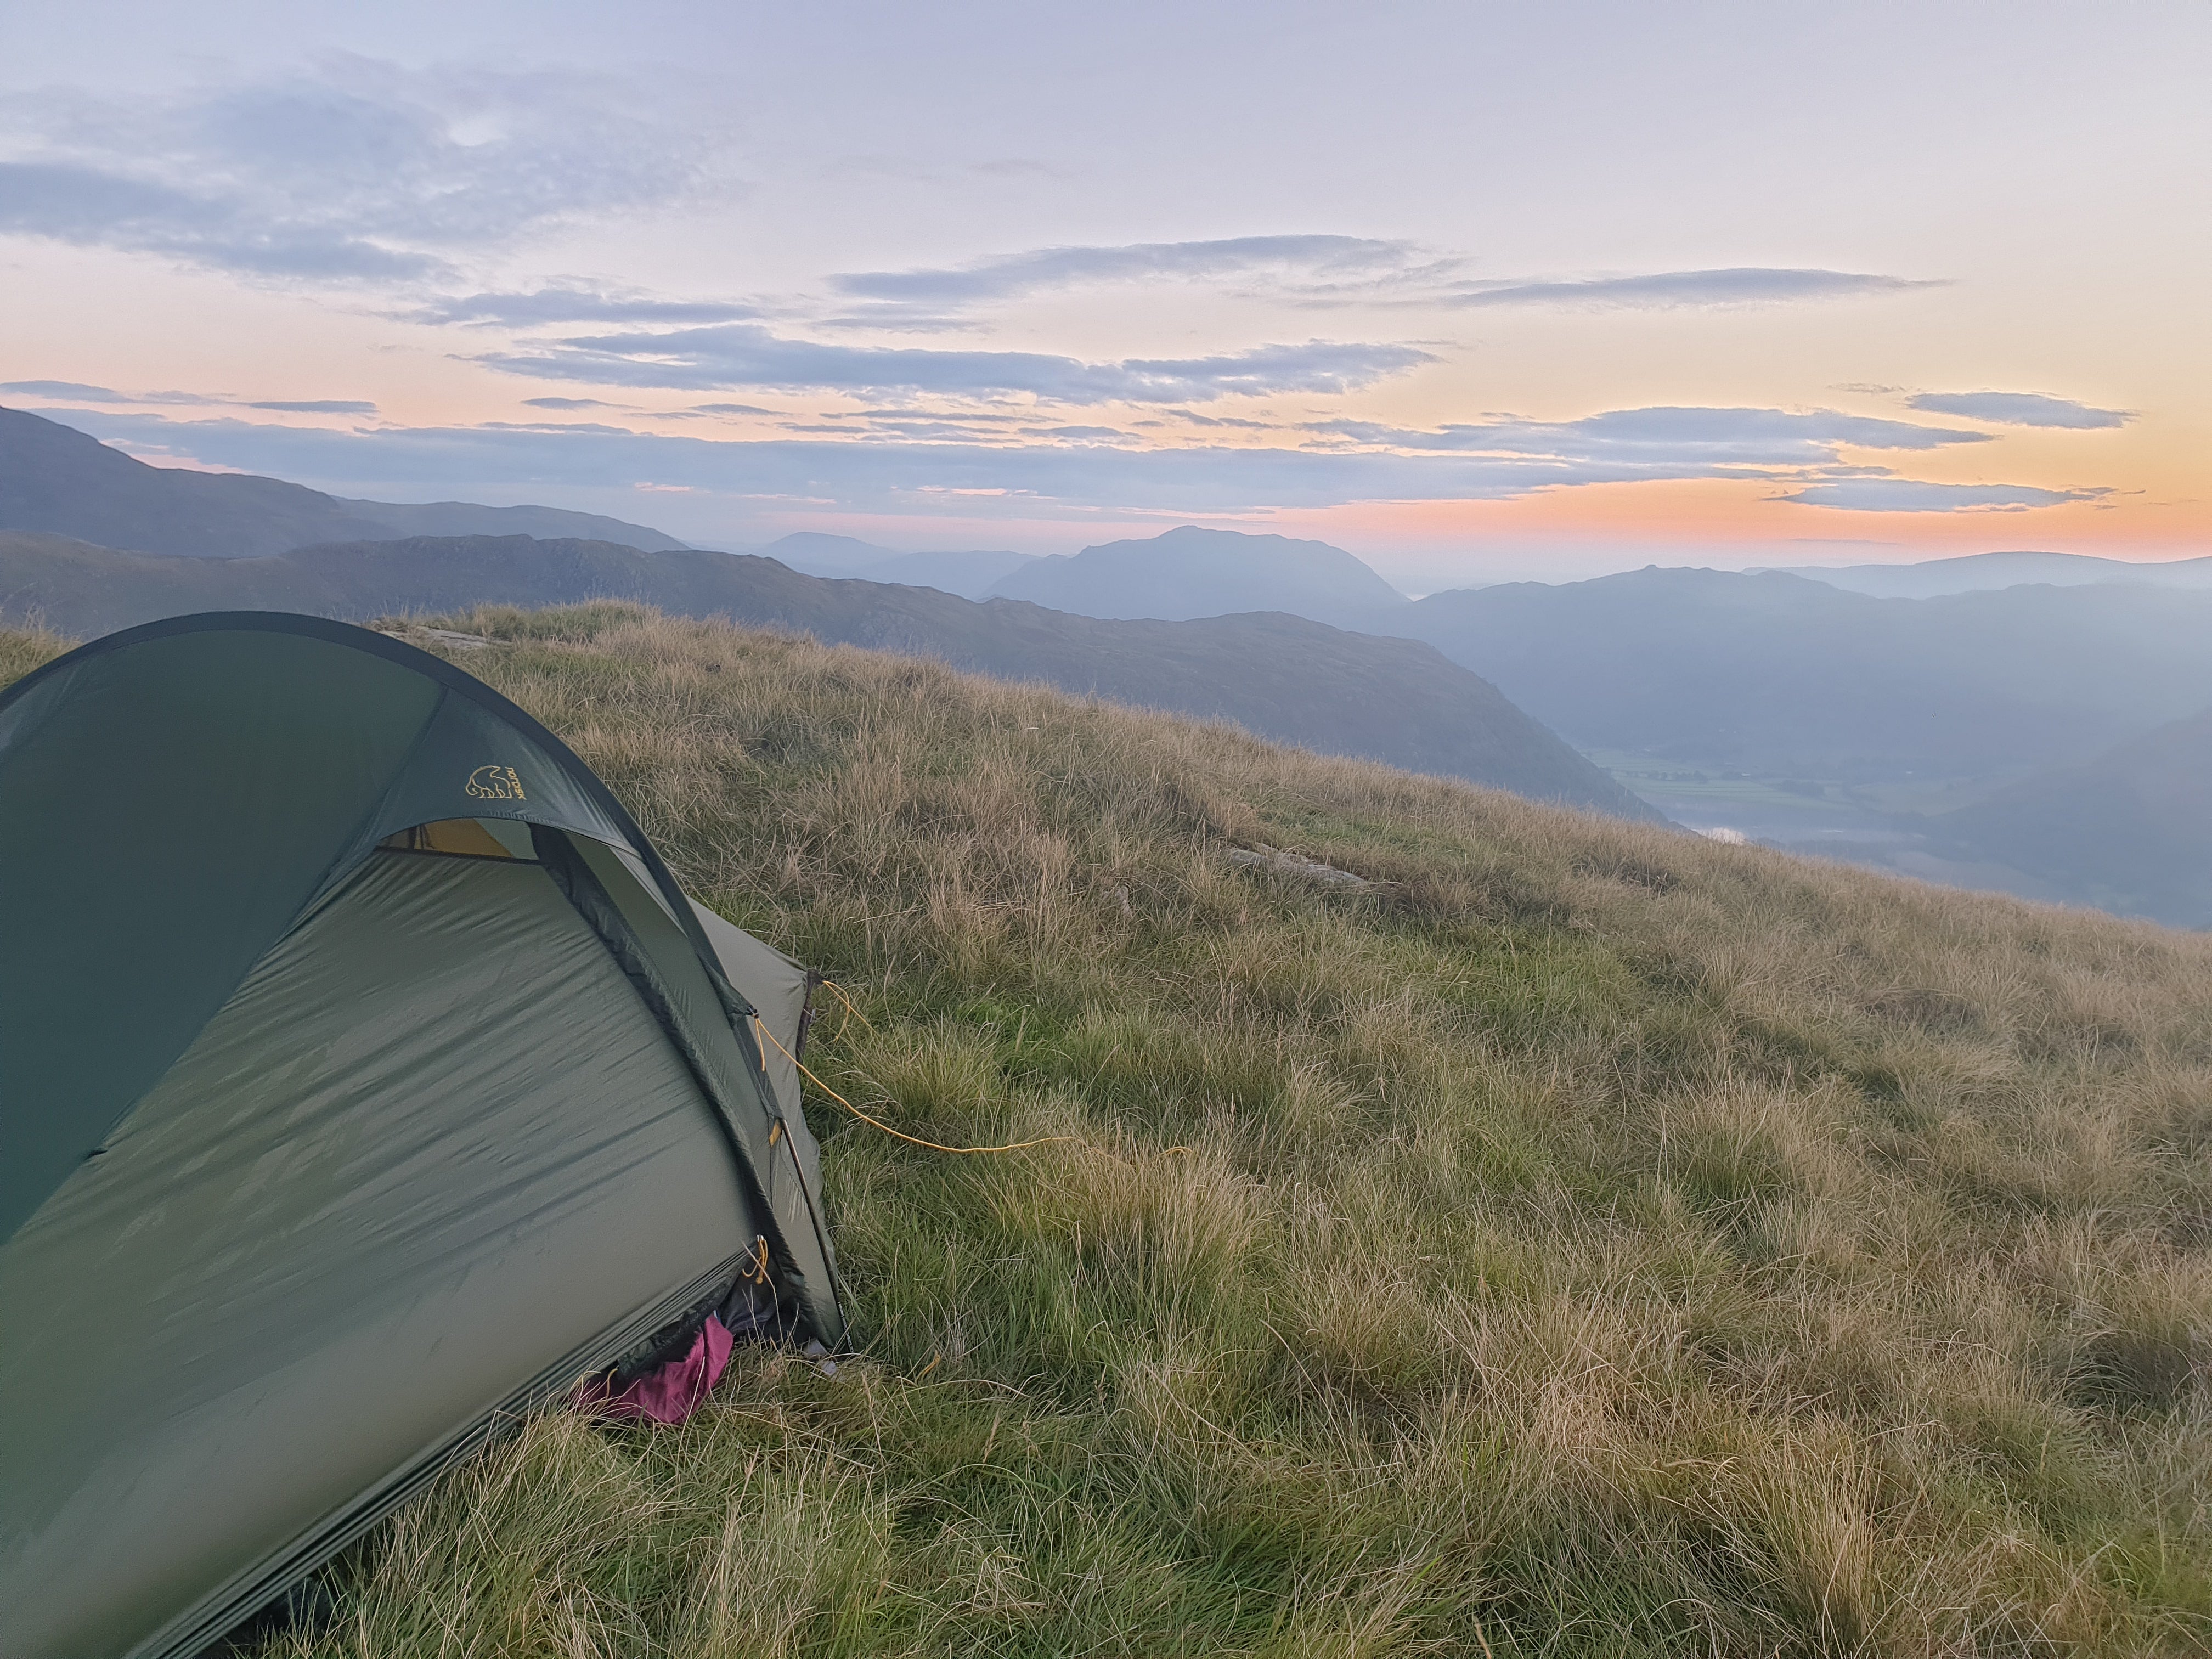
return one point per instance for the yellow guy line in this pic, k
(761, 1026)
(851, 1012)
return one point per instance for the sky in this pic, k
(1479, 291)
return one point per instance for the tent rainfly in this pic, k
(364, 1080)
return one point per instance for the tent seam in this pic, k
(584, 890)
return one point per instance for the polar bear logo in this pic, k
(495, 783)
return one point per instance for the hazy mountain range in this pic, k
(1190, 572)
(1185, 573)
(971, 574)
(1980, 572)
(1777, 675)
(1281, 677)
(2129, 831)
(56, 479)
(2032, 738)
(2030, 720)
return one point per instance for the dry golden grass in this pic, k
(1589, 1239)
(22, 650)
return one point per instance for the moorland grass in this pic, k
(1585, 1240)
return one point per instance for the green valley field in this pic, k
(1581, 1239)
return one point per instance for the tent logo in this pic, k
(496, 783)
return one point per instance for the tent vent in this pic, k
(469, 838)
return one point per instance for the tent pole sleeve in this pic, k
(575, 879)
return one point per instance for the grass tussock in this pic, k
(1584, 1241)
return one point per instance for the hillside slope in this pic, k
(1294, 680)
(55, 480)
(1585, 1241)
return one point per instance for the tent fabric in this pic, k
(711, 1024)
(97, 751)
(344, 1172)
(361, 1147)
(188, 787)
(778, 989)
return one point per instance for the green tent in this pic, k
(364, 1080)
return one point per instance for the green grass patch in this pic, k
(1584, 1240)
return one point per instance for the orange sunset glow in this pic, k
(1549, 327)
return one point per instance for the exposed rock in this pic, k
(1264, 857)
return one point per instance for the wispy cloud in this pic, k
(1293, 263)
(358, 170)
(2018, 409)
(570, 403)
(319, 406)
(558, 304)
(1075, 468)
(1661, 291)
(73, 391)
(96, 394)
(749, 355)
(597, 427)
(1324, 269)
(83, 204)
(1909, 495)
(1237, 421)
(1666, 439)
(880, 472)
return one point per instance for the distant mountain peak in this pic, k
(1192, 571)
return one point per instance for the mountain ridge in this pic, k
(2130, 831)
(1974, 573)
(1280, 676)
(55, 480)
(970, 573)
(1190, 572)
(1777, 673)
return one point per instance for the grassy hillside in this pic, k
(1587, 1240)
(1290, 679)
